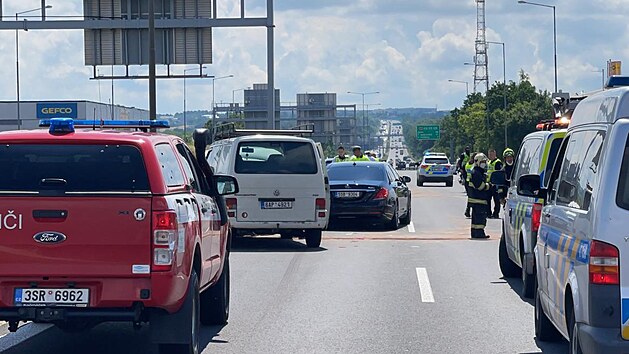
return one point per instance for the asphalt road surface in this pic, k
(426, 288)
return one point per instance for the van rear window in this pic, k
(276, 157)
(72, 168)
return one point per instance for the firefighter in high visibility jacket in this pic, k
(478, 195)
(468, 167)
(494, 164)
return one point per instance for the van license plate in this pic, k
(276, 205)
(347, 194)
(55, 297)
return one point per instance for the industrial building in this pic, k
(333, 124)
(256, 107)
(30, 112)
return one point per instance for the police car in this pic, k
(435, 167)
(520, 224)
(583, 247)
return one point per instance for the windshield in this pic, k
(356, 173)
(72, 168)
(436, 160)
(276, 157)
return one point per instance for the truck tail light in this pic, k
(165, 235)
(232, 206)
(320, 207)
(604, 268)
(536, 217)
(383, 193)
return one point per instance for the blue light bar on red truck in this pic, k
(163, 124)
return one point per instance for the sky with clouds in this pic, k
(406, 49)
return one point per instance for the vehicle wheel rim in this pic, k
(574, 340)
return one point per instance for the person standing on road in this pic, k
(468, 167)
(341, 157)
(479, 193)
(509, 156)
(358, 155)
(463, 160)
(494, 164)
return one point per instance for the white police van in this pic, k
(284, 188)
(582, 253)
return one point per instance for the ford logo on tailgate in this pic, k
(49, 237)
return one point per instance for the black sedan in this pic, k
(372, 190)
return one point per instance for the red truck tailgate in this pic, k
(76, 236)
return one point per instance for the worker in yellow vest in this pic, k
(358, 155)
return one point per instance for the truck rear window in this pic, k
(72, 168)
(276, 157)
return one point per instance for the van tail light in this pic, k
(320, 207)
(604, 269)
(383, 193)
(165, 235)
(232, 206)
(536, 217)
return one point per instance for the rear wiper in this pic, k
(53, 182)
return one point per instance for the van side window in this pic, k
(170, 167)
(579, 169)
(622, 197)
(212, 158)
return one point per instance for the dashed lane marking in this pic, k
(424, 285)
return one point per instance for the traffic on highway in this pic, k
(313, 223)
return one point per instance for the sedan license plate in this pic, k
(347, 194)
(52, 297)
(276, 205)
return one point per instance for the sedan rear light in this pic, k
(232, 207)
(165, 235)
(383, 193)
(424, 166)
(536, 217)
(604, 268)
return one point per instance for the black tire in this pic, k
(313, 238)
(545, 331)
(191, 304)
(420, 182)
(407, 218)
(286, 236)
(507, 267)
(528, 281)
(450, 182)
(394, 224)
(215, 300)
(575, 346)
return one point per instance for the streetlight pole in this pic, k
(467, 86)
(504, 78)
(363, 94)
(17, 60)
(554, 30)
(602, 71)
(213, 102)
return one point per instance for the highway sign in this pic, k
(428, 132)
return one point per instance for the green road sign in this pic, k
(428, 132)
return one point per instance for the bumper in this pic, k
(365, 210)
(277, 226)
(596, 340)
(436, 178)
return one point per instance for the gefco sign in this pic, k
(57, 110)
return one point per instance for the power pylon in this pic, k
(481, 71)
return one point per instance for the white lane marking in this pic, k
(424, 285)
(411, 228)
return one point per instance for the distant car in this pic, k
(400, 165)
(435, 169)
(372, 190)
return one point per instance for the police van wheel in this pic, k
(450, 182)
(528, 282)
(545, 331)
(313, 238)
(420, 182)
(507, 267)
(575, 346)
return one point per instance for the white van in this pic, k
(283, 182)
(582, 251)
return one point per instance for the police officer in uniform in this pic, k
(341, 157)
(479, 193)
(494, 164)
(358, 155)
(509, 156)
(463, 160)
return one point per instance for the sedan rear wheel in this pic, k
(394, 224)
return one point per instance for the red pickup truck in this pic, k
(101, 225)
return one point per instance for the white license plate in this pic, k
(54, 297)
(276, 205)
(347, 194)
